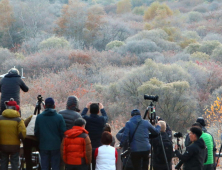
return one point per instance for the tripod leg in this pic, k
(218, 156)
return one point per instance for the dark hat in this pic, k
(73, 103)
(13, 71)
(135, 112)
(201, 121)
(49, 101)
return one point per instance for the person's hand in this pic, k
(176, 147)
(158, 123)
(88, 105)
(101, 106)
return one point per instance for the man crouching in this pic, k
(195, 154)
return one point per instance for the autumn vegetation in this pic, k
(115, 51)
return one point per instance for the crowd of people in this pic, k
(75, 140)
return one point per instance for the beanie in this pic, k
(49, 102)
(201, 121)
(12, 102)
(135, 112)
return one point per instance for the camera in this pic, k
(40, 99)
(178, 135)
(125, 153)
(151, 97)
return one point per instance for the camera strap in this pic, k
(134, 132)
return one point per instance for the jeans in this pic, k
(77, 167)
(14, 159)
(138, 157)
(50, 157)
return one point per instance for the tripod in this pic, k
(153, 120)
(38, 104)
(180, 163)
(218, 157)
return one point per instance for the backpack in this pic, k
(159, 154)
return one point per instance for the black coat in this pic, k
(70, 114)
(95, 125)
(194, 156)
(156, 142)
(10, 88)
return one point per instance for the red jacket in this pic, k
(76, 147)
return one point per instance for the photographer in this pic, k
(140, 146)
(10, 87)
(127, 163)
(159, 162)
(95, 124)
(195, 154)
(209, 164)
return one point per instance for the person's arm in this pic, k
(96, 153)
(21, 130)
(103, 112)
(116, 155)
(23, 86)
(85, 110)
(88, 150)
(153, 130)
(62, 150)
(36, 130)
(187, 140)
(27, 120)
(120, 134)
(187, 154)
(125, 135)
(62, 127)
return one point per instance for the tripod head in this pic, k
(151, 113)
(39, 102)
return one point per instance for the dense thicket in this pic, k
(115, 51)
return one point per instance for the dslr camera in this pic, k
(178, 135)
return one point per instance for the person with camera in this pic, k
(10, 87)
(49, 130)
(137, 133)
(126, 160)
(195, 154)
(95, 124)
(209, 164)
(159, 161)
(12, 130)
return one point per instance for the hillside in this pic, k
(114, 52)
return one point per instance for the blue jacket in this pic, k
(49, 129)
(95, 125)
(140, 141)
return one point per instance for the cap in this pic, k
(135, 112)
(201, 121)
(49, 101)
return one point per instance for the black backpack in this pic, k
(159, 154)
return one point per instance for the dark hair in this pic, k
(94, 108)
(107, 128)
(106, 138)
(197, 124)
(79, 122)
(196, 131)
